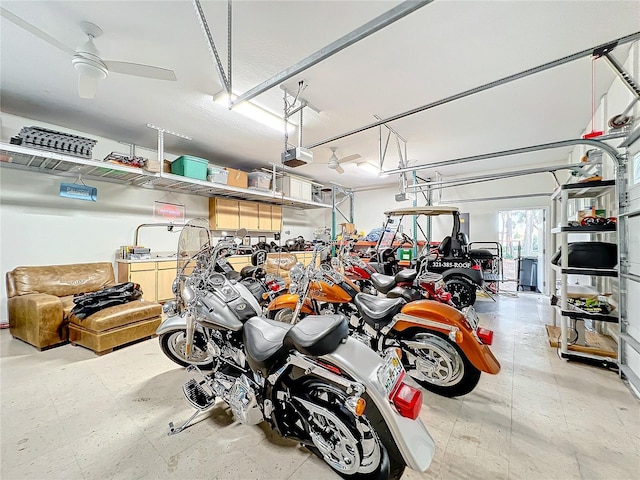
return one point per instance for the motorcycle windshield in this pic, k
(194, 237)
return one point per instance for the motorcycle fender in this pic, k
(172, 323)
(474, 276)
(288, 300)
(411, 436)
(416, 313)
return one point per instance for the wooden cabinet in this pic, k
(276, 218)
(249, 212)
(165, 276)
(224, 214)
(239, 261)
(155, 278)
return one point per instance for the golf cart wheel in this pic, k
(463, 293)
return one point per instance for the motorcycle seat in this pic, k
(263, 342)
(317, 335)
(406, 275)
(382, 283)
(377, 311)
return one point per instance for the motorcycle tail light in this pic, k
(475, 267)
(485, 335)
(408, 401)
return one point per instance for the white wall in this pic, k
(37, 227)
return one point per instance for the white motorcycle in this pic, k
(309, 381)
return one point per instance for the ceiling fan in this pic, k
(86, 58)
(335, 163)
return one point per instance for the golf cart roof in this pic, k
(430, 211)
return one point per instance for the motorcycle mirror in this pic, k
(240, 234)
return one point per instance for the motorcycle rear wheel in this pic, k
(173, 346)
(441, 367)
(373, 444)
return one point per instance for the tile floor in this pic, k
(69, 414)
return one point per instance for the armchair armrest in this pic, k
(37, 319)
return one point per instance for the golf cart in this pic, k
(460, 266)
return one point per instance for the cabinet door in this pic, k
(165, 281)
(249, 215)
(276, 218)
(147, 281)
(264, 217)
(295, 188)
(227, 217)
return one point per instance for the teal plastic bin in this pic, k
(192, 167)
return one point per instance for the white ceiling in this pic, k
(441, 49)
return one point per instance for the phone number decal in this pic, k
(439, 264)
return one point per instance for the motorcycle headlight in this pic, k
(293, 288)
(296, 273)
(170, 307)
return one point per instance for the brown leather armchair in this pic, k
(40, 300)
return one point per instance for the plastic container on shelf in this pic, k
(188, 166)
(259, 180)
(217, 174)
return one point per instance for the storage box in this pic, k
(192, 167)
(217, 174)
(167, 166)
(237, 178)
(152, 166)
(348, 228)
(259, 180)
(586, 212)
(405, 254)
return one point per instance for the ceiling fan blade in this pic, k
(87, 86)
(340, 169)
(35, 31)
(349, 158)
(140, 70)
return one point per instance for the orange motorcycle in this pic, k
(444, 349)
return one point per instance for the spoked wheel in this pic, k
(173, 345)
(441, 367)
(463, 293)
(347, 443)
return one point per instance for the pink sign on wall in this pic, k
(169, 212)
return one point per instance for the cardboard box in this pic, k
(348, 228)
(237, 178)
(167, 166)
(152, 166)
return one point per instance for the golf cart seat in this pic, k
(480, 254)
(444, 249)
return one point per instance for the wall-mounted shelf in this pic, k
(40, 161)
(591, 189)
(589, 229)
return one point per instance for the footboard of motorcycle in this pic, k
(289, 300)
(436, 316)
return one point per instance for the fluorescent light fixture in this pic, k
(367, 167)
(255, 113)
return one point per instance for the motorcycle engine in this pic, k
(244, 402)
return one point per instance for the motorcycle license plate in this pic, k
(472, 317)
(390, 372)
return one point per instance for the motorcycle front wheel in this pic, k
(358, 448)
(441, 367)
(173, 346)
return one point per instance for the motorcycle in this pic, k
(445, 350)
(310, 382)
(353, 267)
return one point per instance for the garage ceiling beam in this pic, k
(369, 28)
(584, 53)
(608, 149)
